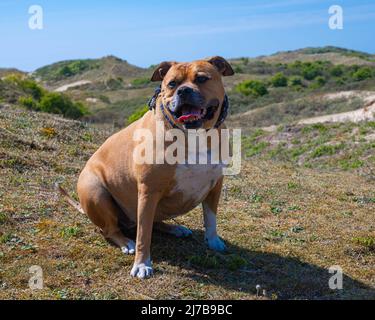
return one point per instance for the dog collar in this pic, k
(223, 113)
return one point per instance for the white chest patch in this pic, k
(196, 180)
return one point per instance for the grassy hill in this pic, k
(285, 224)
(111, 87)
(90, 69)
(329, 53)
(6, 71)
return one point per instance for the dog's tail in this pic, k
(75, 204)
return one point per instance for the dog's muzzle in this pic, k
(190, 109)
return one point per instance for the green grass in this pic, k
(335, 146)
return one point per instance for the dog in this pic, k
(118, 193)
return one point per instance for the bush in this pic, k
(311, 70)
(318, 83)
(28, 86)
(65, 71)
(32, 88)
(137, 114)
(60, 104)
(140, 82)
(362, 74)
(28, 103)
(252, 87)
(295, 81)
(279, 80)
(73, 68)
(337, 71)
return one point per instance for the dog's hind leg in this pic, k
(103, 211)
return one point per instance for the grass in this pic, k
(291, 108)
(342, 146)
(284, 226)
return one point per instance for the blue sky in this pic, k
(147, 32)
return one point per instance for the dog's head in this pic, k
(193, 93)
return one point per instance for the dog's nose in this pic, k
(184, 91)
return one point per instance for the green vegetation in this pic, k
(316, 74)
(29, 94)
(363, 74)
(252, 87)
(65, 69)
(137, 114)
(279, 80)
(366, 242)
(61, 104)
(290, 110)
(140, 82)
(326, 150)
(336, 146)
(92, 69)
(311, 70)
(73, 68)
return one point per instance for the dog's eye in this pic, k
(172, 84)
(201, 79)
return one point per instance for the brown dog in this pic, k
(115, 190)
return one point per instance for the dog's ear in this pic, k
(222, 65)
(162, 70)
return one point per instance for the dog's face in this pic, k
(193, 93)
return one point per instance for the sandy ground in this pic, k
(72, 85)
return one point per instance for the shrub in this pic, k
(279, 80)
(137, 114)
(362, 74)
(318, 83)
(73, 68)
(252, 87)
(28, 86)
(337, 71)
(65, 71)
(58, 103)
(311, 70)
(295, 81)
(32, 88)
(140, 82)
(28, 103)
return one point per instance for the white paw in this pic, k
(129, 248)
(142, 270)
(216, 244)
(181, 232)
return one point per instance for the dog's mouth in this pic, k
(192, 117)
(189, 113)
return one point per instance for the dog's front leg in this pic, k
(210, 205)
(147, 203)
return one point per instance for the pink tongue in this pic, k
(189, 115)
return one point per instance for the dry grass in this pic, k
(284, 226)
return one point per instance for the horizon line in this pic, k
(232, 58)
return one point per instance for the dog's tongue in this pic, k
(189, 113)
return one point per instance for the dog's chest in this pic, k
(195, 181)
